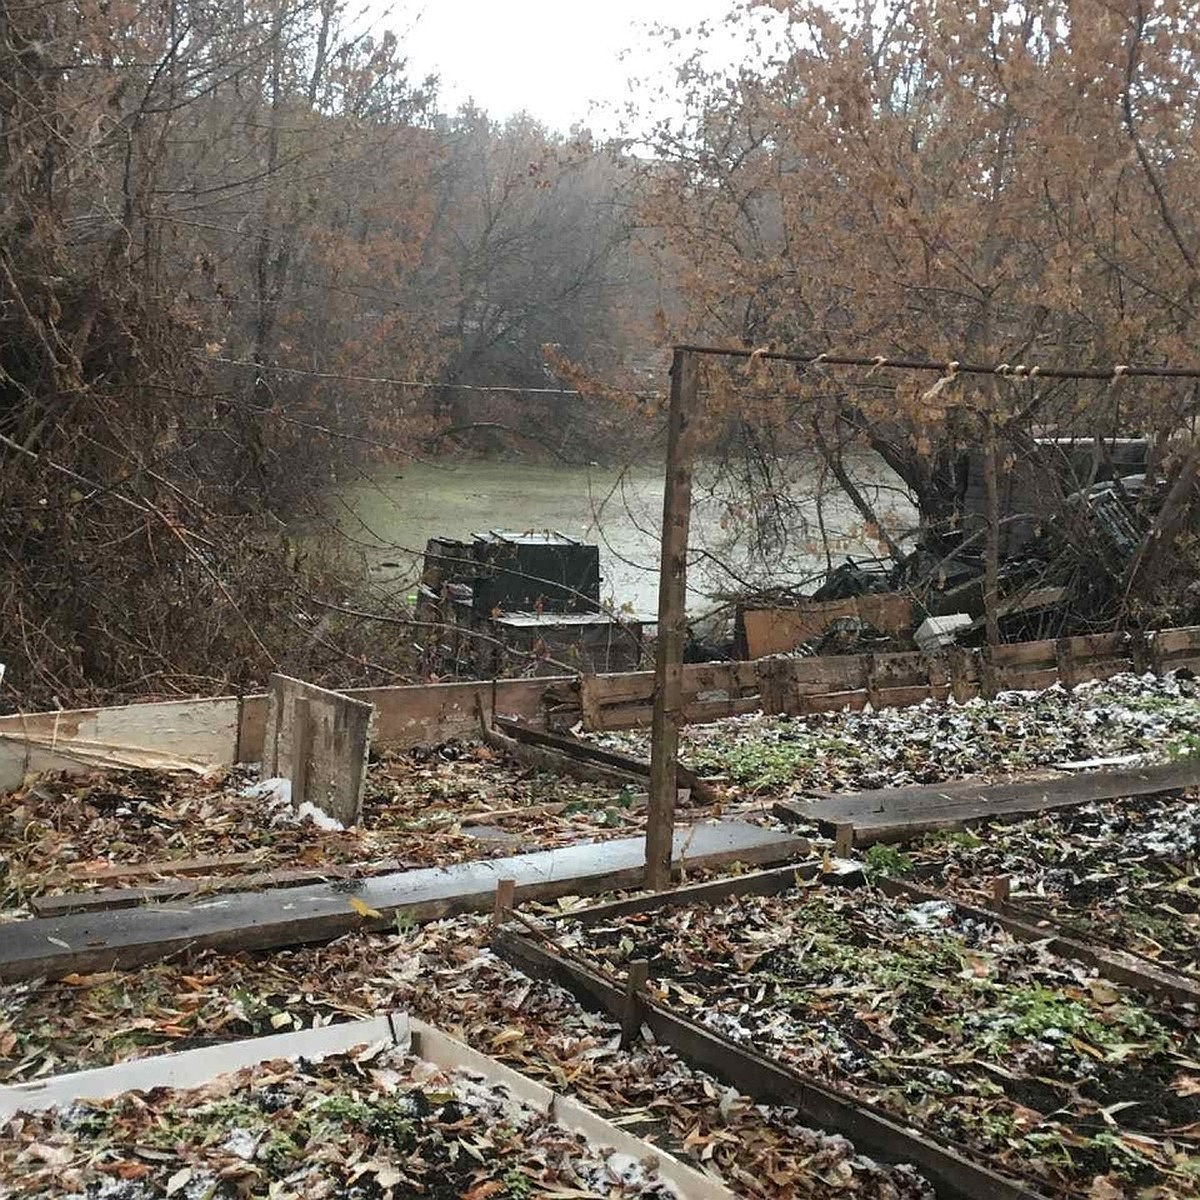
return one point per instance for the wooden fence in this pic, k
(229, 729)
(809, 685)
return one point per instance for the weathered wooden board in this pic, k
(319, 740)
(779, 630)
(597, 754)
(160, 866)
(896, 814)
(193, 1068)
(177, 734)
(176, 889)
(256, 920)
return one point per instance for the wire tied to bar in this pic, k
(943, 383)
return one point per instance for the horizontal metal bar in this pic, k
(946, 366)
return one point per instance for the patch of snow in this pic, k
(241, 1143)
(319, 817)
(929, 915)
(275, 791)
(1091, 764)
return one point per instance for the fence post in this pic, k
(672, 608)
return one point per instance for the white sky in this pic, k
(560, 60)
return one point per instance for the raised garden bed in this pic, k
(1150, 718)
(460, 802)
(442, 972)
(375, 1123)
(1124, 874)
(1024, 1061)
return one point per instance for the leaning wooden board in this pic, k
(103, 941)
(897, 814)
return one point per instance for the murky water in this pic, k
(389, 516)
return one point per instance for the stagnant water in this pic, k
(388, 516)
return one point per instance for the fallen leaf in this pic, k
(178, 1180)
(364, 909)
(490, 1188)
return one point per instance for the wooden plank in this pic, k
(1025, 654)
(1118, 965)
(672, 616)
(257, 920)
(177, 889)
(161, 866)
(193, 1068)
(838, 673)
(754, 883)
(549, 761)
(252, 728)
(818, 702)
(1172, 641)
(321, 739)
(611, 758)
(954, 1176)
(430, 714)
(781, 630)
(695, 712)
(896, 814)
(190, 735)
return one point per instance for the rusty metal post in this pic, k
(672, 620)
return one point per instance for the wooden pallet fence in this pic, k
(710, 691)
(798, 686)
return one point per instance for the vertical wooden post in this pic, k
(843, 845)
(1064, 659)
(672, 607)
(506, 892)
(991, 565)
(631, 1018)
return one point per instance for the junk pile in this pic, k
(1065, 551)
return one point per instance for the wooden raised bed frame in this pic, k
(873, 1131)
